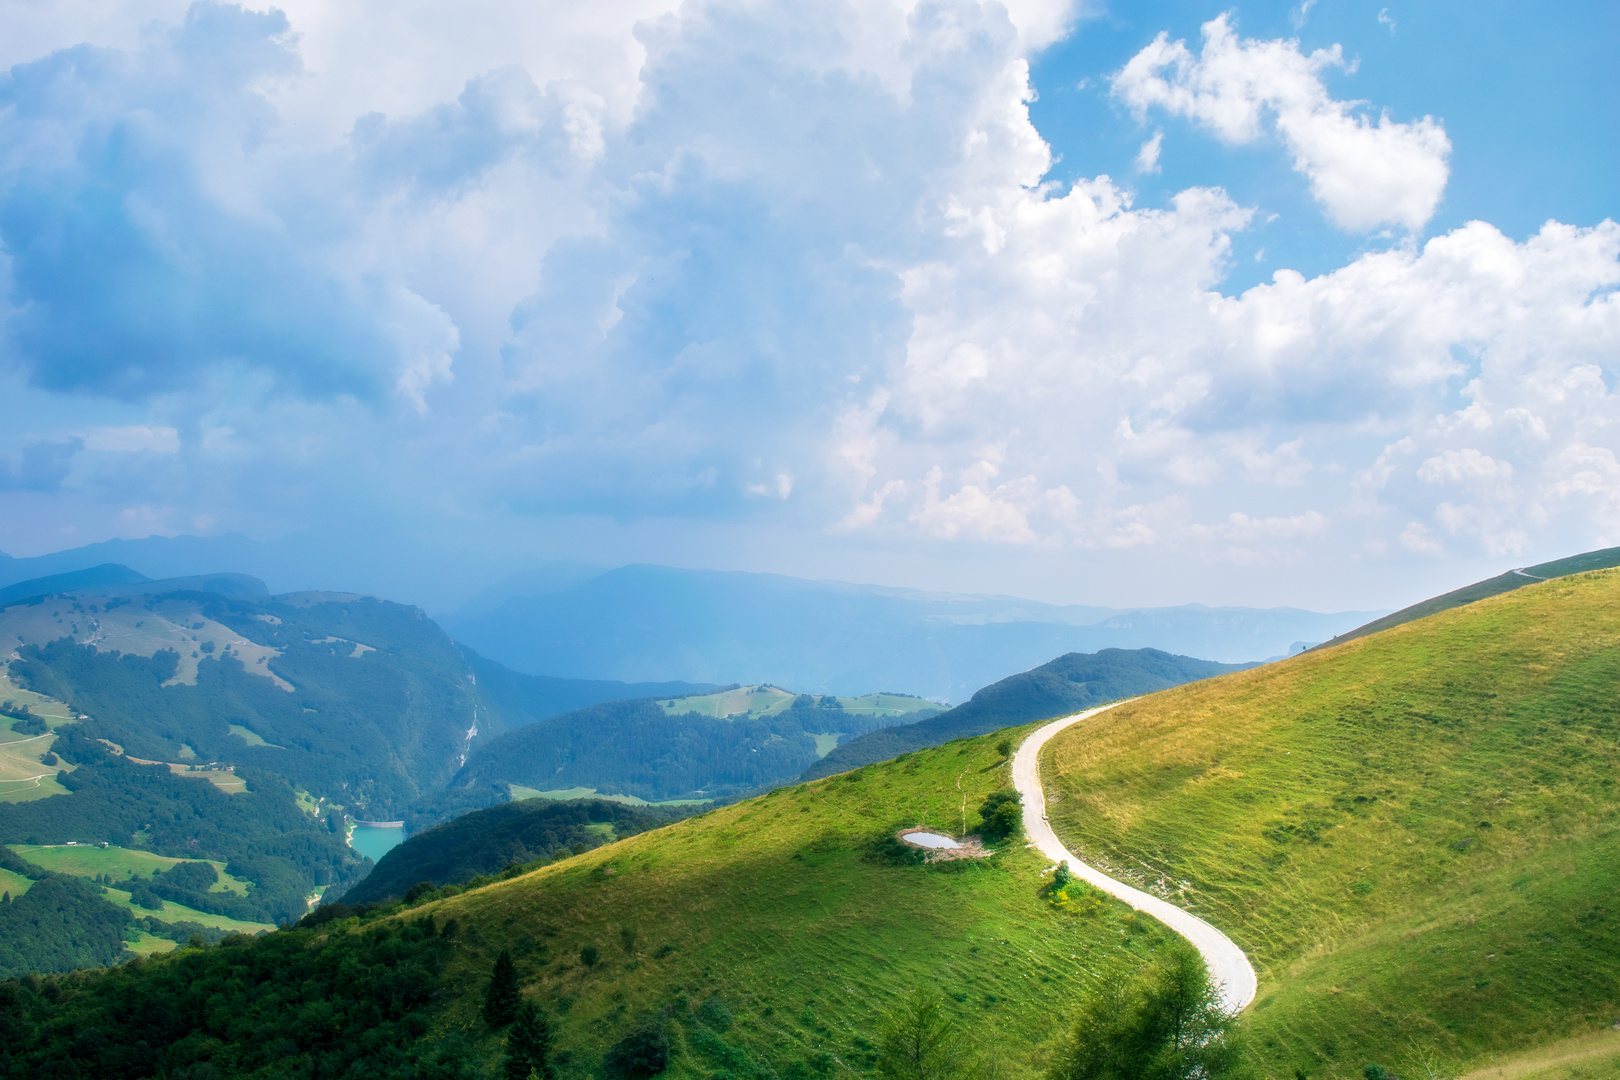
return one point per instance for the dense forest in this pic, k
(637, 748)
(1072, 682)
(488, 841)
(378, 729)
(59, 924)
(293, 1003)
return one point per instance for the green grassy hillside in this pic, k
(769, 937)
(1602, 559)
(1415, 835)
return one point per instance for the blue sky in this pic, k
(1524, 93)
(1261, 304)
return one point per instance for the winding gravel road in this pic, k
(1233, 974)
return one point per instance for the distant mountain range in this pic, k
(1066, 685)
(656, 624)
(645, 622)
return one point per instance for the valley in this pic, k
(1410, 836)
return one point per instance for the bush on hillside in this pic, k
(1002, 814)
(642, 1053)
(715, 1014)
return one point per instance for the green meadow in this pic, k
(1414, 835)
(179, 913)
(84, 860)
(756, 701)
(799, 914)
(23, 775)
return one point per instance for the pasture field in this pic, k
(251, 737)
(519, 792)
(23, 776)
(138, 630)
(173, 913)
(224, 779)
(53, 712)
(89, 861)
(13, 883)
(797, 913)
(142, 943)
(758, 701)
(1415, 835)
(1588, 1057)
(15, 791)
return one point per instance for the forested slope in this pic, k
(488, 841)
(653, 752)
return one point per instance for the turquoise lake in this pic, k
(375, 843)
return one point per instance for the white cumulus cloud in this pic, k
(1365, 171)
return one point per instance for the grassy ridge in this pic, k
(1415, 835)
(787, 910)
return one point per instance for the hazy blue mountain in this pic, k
(516, 699)
(641, 623)
(1068, 684)
(105, 574)
(399, 568)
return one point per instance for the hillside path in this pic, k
(1233, 974)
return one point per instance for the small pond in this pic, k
(931, 840)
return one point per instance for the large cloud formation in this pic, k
(773, 263)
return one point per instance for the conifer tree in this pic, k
(503, 996)
(528, 1045)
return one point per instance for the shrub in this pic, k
(643, 1052)
(714, 1013)
(1002, 813)
(588, 956)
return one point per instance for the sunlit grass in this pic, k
(778, 907)
(1414, 835)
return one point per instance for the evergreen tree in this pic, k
(528, 1045)
(919, 1042)
(502, 998)
(1166, 1024)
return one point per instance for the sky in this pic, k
(1267, 304)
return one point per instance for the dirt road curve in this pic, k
(1233, 973)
